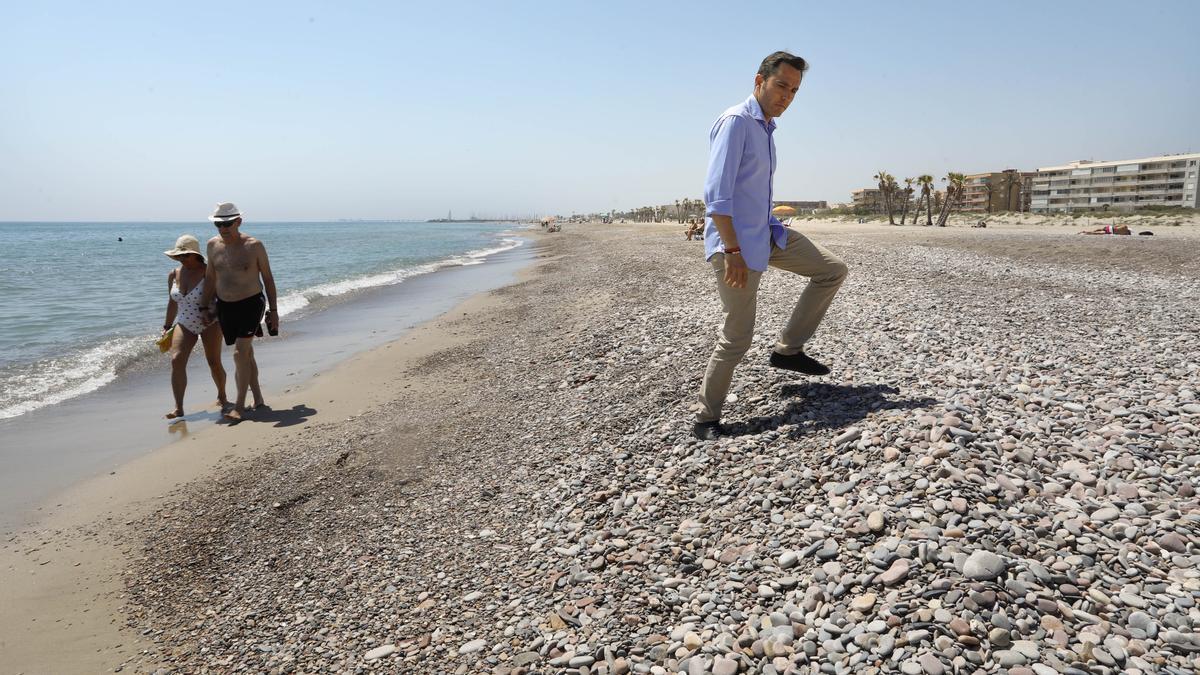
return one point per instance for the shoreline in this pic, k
(43, 454)
(67, 565)
(70, 364)
(521, 491)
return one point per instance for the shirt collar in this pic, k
(756, 112)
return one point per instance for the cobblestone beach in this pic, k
(999, 476)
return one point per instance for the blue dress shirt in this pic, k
(741, 165)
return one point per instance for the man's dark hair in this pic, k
(771, 64)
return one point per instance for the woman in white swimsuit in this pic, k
(185, 286)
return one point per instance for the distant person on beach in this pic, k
(741, 238)
(185, 289)
(238, 275)
(1109, 229)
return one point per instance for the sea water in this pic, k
(81, 303)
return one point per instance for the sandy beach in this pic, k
(999, 475)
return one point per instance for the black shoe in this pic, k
(801, 363)
(708, 431)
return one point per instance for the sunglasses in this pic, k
(224, 224)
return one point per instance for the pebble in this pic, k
(1008, 658)
(723, 665)
(379, 652)
(895, 573)
(983, 566)
(931, 665)
(863, 603)
(473, 646)
(875, 521)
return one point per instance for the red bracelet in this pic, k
(735, 249)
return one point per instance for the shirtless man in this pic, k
(236, 263)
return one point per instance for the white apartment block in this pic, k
(1167, 180)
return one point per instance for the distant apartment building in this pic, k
(867, 199)
(992, 192)
(805, 206)
(1166, 180)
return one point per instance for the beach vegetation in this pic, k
(926, 182)
(955, 187)
(908, 192)
(1012, 184)
(887, 189)
(990, 190)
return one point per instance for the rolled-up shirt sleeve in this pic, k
(724, 156)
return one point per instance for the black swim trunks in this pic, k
(242, 318)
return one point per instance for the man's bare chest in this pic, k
(234, 259)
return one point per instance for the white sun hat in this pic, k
(225, 211)
(184, 245)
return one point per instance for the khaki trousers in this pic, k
(825, 272)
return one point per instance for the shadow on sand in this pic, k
(813, 406)
(297, 414)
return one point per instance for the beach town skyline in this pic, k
(404, 113)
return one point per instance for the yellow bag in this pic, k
(164, 342)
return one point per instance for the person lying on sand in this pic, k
(1109, 229)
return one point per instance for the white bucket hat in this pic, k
(226, 211)
(184, 245)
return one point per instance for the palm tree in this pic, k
(990, 190)
(959, 181)
(1012, 181)
(943, 212)
(887, 188)
(893, 195)
(926, 182)
(908, 190)
(954, 191)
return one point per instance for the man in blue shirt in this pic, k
(741, 238)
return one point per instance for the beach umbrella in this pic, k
(783, 211)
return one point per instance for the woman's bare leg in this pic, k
(212, 351)
(182, 343)
(255, 389)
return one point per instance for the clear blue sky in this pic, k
(320, 110)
